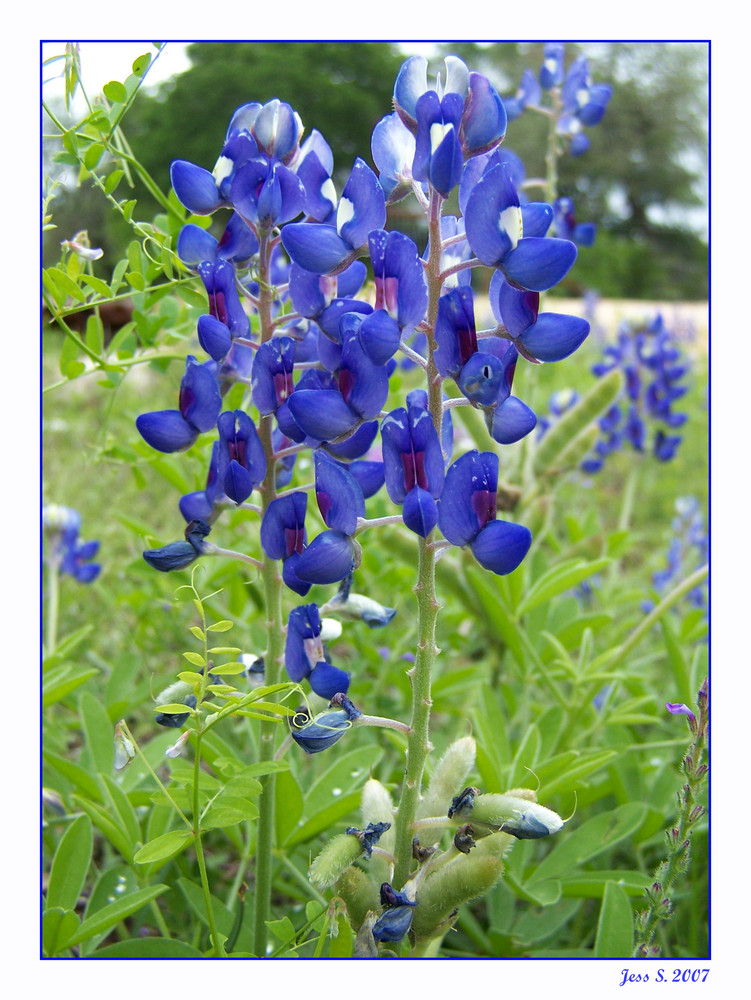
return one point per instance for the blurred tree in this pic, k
(340, 88)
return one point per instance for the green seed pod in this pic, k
(337, 855)
(378, 807)
(599, 399)
(574, 453)
(450, 774)
(466, 877)
(359, 893)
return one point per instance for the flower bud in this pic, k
(518, 816)
(378, 808)
(334, 859)
(450, 773)
(125, 751)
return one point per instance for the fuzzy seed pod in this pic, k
(378, 807)
(449, 775)
(466, 877)
(337, 855)
(359, 893)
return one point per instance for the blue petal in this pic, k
(283, 526)
(420, 512)
(362, 197)
(538, 263)
(290, 577)
(316, 247)
(320, 413)
(214, 336)
(195, 506)
(356, 445)
(458, 519)
(515, 307)
(369, 475)
(481, 379)
(166, 430)
(329, 558)
(200, 399)
(484, 118)
(327, 680)
(379, 336)
(195, 245)
(338, 494)
(537, 217)
(195, 187)
(237, 482)
(501, 546)
(511, 421)
(323, 732)
(554, 336)
(176, 555)
(411, 82)
(491, 215)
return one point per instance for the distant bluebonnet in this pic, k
(65, 550)
(687, 551)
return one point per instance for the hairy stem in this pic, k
(272, 590)
(418, 743)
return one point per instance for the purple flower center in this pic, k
(218, 307)
(283, 386)
(413, 463)
(294, 540)
(484, 506)
(386, 295)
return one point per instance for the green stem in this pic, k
(198, 843)
(418, 742)
(53, 605)
(272, 589)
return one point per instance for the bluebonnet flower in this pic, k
(178, 555)
(484, 376)
(528, 93)
(551, 71)
(413, 466)
(467, 514)
(236, 245)
(318, 734)
(305, 656)
(576, 101)
(327, 249)
(396, 918)
(688, 549)
(654, 368)
(356, 390)
(357, 607)
(283, 536)
(393, 149)
(333, 554)
(537, 336)
(66, 551)
(566, 226)
(200, 404)
(241, 460)
(271, 380)
(496, 226)
(432, 112)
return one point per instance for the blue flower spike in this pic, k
(467, 514)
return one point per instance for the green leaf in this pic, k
(65, 284)
(615, 928)
(526, 758)
(565, 777)
(283, 930)
(162, 848)
(221, 626)
(58, 926)
(112, 181)
(78, 776)
(560, 578)
(150, 947)
(325, 819)
(198, 633)
(496, 618)
(99, 733)
(141, 64)
(111, 915)
(590, 839)
(228, 811)
(112, 830)
(195, 658)
(122, 809)
(114, 881)
(59, 682)
(115, 92)
(591, 884)
(93, 155)
(70, 865)
(96, 284)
